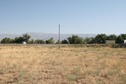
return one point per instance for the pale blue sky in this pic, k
(74, 16)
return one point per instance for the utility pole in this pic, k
(59, 35)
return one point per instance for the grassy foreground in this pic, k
(68, 65)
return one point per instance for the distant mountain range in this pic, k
(45, 36)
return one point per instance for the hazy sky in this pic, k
(74, 16)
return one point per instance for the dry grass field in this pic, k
(28, 64)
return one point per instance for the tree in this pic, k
(121, 38)
(87, 40)
(100, 38)
(92, 40)
(31, 41)
(50, 41)
(112, 37)
(75, 39)
(18, 39)
(26, 37)
(64, 41)
(6, 40)
(39, 41)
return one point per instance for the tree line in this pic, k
(74, 39)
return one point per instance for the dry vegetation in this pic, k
(49, 65)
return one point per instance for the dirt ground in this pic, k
(67, 65)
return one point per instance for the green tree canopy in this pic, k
(18, 39)
(100, 38)
(121, 38)
(26, 37)
(39, 41)
(75, 39)
(87, 40)
(50, 41)
(64, 41)
(112, 37)
(7, 40)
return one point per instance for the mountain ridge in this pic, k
(45, 36)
